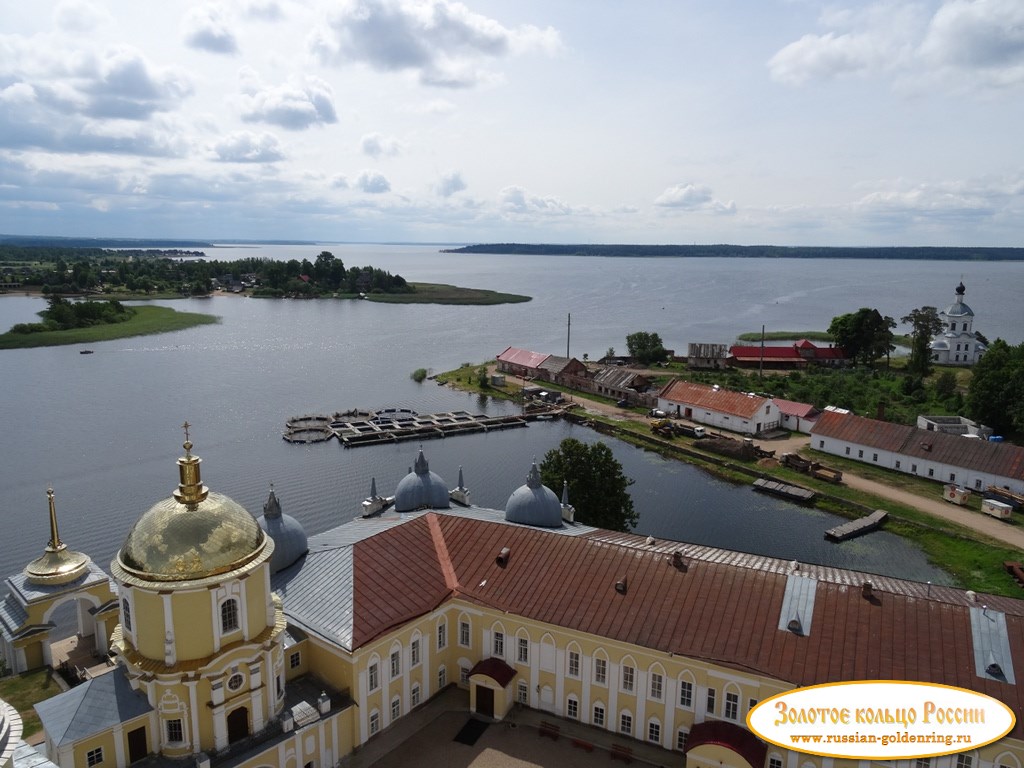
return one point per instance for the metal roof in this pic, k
(792, 408)
(94, 706)
(617, 378)
(1001, 459)
(523, 357)
(720, 400)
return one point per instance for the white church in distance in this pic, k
(957, 344)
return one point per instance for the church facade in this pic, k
(228, 655)
(957, 344)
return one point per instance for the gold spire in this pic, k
(190, 490)
(58, 564)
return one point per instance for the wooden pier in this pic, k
(786, 491)
(857, 527)
(393, 426)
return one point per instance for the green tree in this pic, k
(864, 335)
(995, 396)
(645, 347)
(925, 324)
(597, 487)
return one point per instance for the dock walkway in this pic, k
(786, 491)
(857, 527)
(394, 425)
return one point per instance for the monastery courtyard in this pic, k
(427, 738)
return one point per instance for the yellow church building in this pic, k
(238, 641)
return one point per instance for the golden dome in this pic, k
(57, 564)
(193, 535)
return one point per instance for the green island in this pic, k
(175, 273)
(83, 322)
(974, 561)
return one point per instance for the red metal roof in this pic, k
(494, 668)
(1001, 459)
(523, 357)
(723, 607)
(720, 400)
(787, 353)
(791, 408)
(739, 740)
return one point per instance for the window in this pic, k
(464, 675)
(931, 472)
(681, 741)
(847, 450)
(574, 664)
(522, 693)
(599, 716)
(294, 660)
(897, 463)
(751, 704)
(874, 457)
(415, 695)
(952, 477)
(923, 762)
(396, 664)
(374, 677)
(821, 443)
(415, 652)
(601, 671)
(126, 614)
(654, 731)
(913, 468)
(374, 722)
(499, 644)
(94, 756)
(229, 615)
(626, 723)
(686, 694)
(396, 709)
(774, 762)
(572, 709)
(175, 733)
(977, 485)
(464, 634)
(235, 682)
(711, 701)
(860, 454)
(964, 761)
(523, 650)
(627, 678)
(732, 705)
(656, 683)
(442, 677)
(442, 636)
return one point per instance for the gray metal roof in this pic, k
(12, 615)
(26, 756)
(92, 707)
(29, 592)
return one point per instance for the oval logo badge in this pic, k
(881, 720)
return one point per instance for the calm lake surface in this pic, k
(104, 429)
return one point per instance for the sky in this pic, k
(784, 122)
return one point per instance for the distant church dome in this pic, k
(958, 308)
(421, 489)
(290, 542)
(534, 503)
(194, 534)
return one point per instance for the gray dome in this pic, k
(289, 536)
(534, 503)
(421, 489)
(959, 309)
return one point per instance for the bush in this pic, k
(418, 375)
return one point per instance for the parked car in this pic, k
(623, 403)
(657, 413)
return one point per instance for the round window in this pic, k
(235, 682)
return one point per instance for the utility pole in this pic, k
(760, 362)
(568, 332)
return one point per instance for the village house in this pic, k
(717, 407)
(566, 371)
(799, 355)
(619, 383)
(797, 417)
(970, 463)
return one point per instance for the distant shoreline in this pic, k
(925, 253)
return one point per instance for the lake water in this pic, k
(103, 429)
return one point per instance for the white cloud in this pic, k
(375, 145)
(443, 42)
(984, 36)
(295, 105)
(372, 182)
(206, 28)
(247, 147)
(693, 197)
(267, 10)
(450, 183)
(125, 85)
(78, 16)
(514, 199)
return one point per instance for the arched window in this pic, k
(572, 660)
(229, 615)
(600, 667)
(126, 614)
(686, 686)
(732, 702)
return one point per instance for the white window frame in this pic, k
(396, 664)
(374, 722)
(686, 694)
(464, 633)
(627, 680)
(572, 708)
(94, 756)
(373, 676)
(498, 644)
(626, 722)
(599, 715)
(523, 650)
(573, 666)
(657, 686)
(600, 671)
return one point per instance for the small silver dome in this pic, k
(534, 503)
(289, 536)
(421, 489)
(959, 309)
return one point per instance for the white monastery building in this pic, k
(957, 344)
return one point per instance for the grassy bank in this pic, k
(438, 293)
(22, 691)
(146, 321)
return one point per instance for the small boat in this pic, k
(85, 351)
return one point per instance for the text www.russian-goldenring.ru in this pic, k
(885, 739)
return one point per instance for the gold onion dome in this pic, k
(58, 564)
(193, 535)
